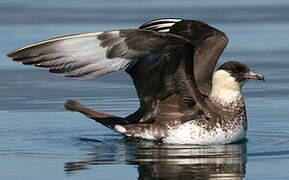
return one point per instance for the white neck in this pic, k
(225, 88)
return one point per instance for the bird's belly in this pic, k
(192, 133)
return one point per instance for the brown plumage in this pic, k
(171, 62)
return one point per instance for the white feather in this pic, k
(225, 88)
(191, 133)
(58, 39)
(161, 25)
(165, 20)
(164, 30)
(79, 56)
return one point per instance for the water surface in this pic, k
(39, 139)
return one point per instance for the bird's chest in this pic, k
(193, 133)
(230, 127)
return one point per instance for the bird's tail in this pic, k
(106, 119)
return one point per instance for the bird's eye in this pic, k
(236, 70)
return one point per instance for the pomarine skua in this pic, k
(171, 62)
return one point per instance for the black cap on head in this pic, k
(240, 71)
(236, 69)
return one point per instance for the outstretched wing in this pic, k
(154, 60)
(90, 55)
(80, 56)
(209, 44)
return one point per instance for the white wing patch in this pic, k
(175, 20)
(54, 40)
(79, 56)
(160, 25)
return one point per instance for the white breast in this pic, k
(191, 133)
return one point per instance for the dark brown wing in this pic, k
(209, 44)
(90, 55)
(155, 60)
(162, 76)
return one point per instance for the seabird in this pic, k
(171, 62)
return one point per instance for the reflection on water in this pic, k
(159, 161)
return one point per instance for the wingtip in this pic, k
(71, 105)
(13, 54)
(10, 54)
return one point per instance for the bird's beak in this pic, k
(254, 75)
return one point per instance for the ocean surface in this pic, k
(39, 139)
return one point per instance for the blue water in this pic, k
(41, 140)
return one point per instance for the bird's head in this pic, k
(229, 78)
(238, 72)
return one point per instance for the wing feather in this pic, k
(209, 44)
(153, 60)
(90, 55)
(160, 25)
(79, 55)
